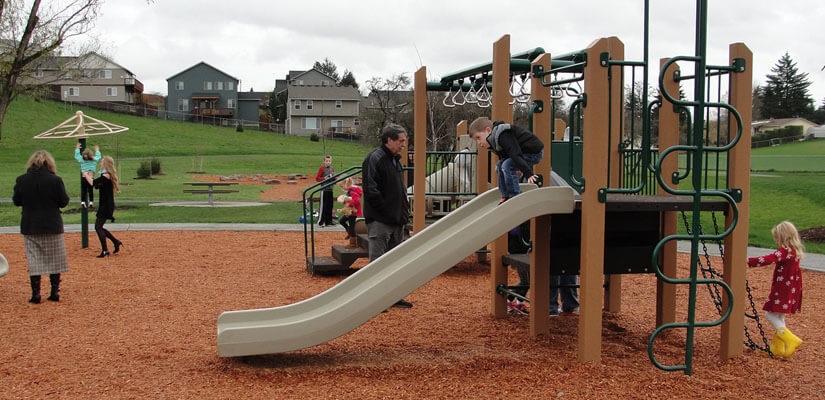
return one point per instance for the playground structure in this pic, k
(451, 186)
(80, 126)
(619, 166)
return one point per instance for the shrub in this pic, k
(155, 164)
(314, 137)
(239, 127)
(145, 170)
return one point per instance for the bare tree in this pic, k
(26, 38)
(389, 100)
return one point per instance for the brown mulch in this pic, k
(269, 192)
(816, 234)
(142, 324)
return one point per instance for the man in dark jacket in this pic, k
(517, 148)
(384, 203)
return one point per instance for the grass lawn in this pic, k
(789, 182)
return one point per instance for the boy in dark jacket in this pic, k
(518, 150)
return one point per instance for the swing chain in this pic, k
(716, 295)
(754, 315)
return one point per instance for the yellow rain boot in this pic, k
(792, 342)
(777, 346)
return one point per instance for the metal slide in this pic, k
(375, 287)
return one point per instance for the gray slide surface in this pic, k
(377, 286)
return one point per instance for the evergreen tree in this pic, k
(819, 115)
(329, 68)
(785, 94)
(348, 79)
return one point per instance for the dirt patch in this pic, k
(142, 324)
(273, 187)
(816, 234)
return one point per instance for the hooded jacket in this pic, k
(510, 141)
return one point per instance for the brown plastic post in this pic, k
(420, 156)
(736, 244)
(613, 292)
(540, 226)
(668, 137)
(594, 165)
(501, 112)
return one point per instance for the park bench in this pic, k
(210, 189)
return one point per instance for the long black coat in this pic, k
(106, 199)
(42, 195)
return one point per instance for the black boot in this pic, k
(54, 279)
(35, 281)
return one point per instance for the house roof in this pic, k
(201, 63)
(323, 93)
(256, 96)
(779, 122)
(298, 74)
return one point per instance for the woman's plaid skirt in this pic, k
(46, 254)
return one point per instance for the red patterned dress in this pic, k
(786, 286)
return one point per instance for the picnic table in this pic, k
(210, 188)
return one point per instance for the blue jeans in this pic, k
(508, 173)
(569, 296)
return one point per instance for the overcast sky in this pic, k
(259, 41)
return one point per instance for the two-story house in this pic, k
(202, 92)
(90, 78)
(316, 105)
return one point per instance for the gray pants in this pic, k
(383, 238)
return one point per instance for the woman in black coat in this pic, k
(107, 184)
(42, 194)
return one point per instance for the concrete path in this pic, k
(813, 262)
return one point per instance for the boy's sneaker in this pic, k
(83, 204)
(503, 199)
(554, 313)
(91, 205)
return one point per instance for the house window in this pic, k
(324, 82)
(207, 85)
(38, 73)
(219, 85)
(230, 103)
(310, 123)
(355, 122)
(74, 91)
(179, 85)
(104, 74)
(230, 86)
(183, 104)
(296, 104)
(299, 82)
(309, 105)
(338, 104)
(111, 91)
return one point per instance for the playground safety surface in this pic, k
(142, 324)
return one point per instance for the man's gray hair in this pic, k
(391, 131)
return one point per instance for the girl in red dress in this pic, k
(786, 286)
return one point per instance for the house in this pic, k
(90, 78)
(780, 123)
(203, 92)
(316, 105)
(817, 132)
(250, 105)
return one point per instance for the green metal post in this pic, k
(84, 212)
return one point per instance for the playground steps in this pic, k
(348, 255)
(341, 259)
